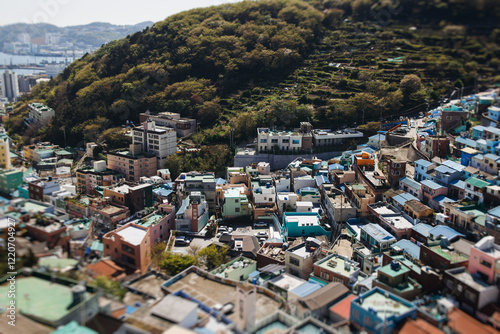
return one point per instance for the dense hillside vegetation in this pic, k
(276, 63)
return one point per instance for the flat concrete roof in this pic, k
(132, 234)
(211, 293)
(337, 264)
(399, 222)
(385, 306)
(287, 282)
(173, 308)
(40, 298)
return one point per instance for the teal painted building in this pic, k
(235, 204)
(379, 311)
(9, 180)
(304, 224)
(23, 191)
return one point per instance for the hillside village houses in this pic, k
(376, 237)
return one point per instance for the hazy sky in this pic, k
(74, 12)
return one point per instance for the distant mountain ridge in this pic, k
(94, 34)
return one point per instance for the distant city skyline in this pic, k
(64, 13)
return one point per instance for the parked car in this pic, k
(261, 234)
(260, 224)
(182, 241)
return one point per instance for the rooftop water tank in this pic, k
(395, 265)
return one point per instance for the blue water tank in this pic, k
(395, 265)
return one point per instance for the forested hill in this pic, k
(276, 63)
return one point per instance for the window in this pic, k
(128, 249)
(294, 261)
(383, 278)
(485, 263)
(325, 275)
(470, 296)
(237, 210)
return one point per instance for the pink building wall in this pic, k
(485, 252)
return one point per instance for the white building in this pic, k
(183, 126)
(330, 138)
(287, 200)
(157, 140)
(263, 193)
(285, 140)
(40, 113)
(282, 183)
(10, 86)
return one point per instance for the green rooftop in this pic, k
(30, 206)
(97, 246)
(74, 328)
(477, 182)
(150, 220)
(45, 150)
(387, 270)
(40, 298)
(407, 263)
(55, 263)
(63, 152)
(452, 256)
(83, 224)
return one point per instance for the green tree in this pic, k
(212, 256)
(157, 252)
(174, 263)
(111, 287)
(410, 84)
(115, 138)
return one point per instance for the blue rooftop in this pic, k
(445, 170)
(422, 229)
(183, 207)
(377, 137)
(493, 157)
(377, 232)
(306, 289)
(445, 231)
(162, 192)
(453, 165)
(423, 162)
(431, 184)
(335, 166)
(441, 199)
(220, 181)
(409, 247)
(458, 183)
(467, 142)
(320, 179)
(495, 212)
(410, 182)
(401, 199)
